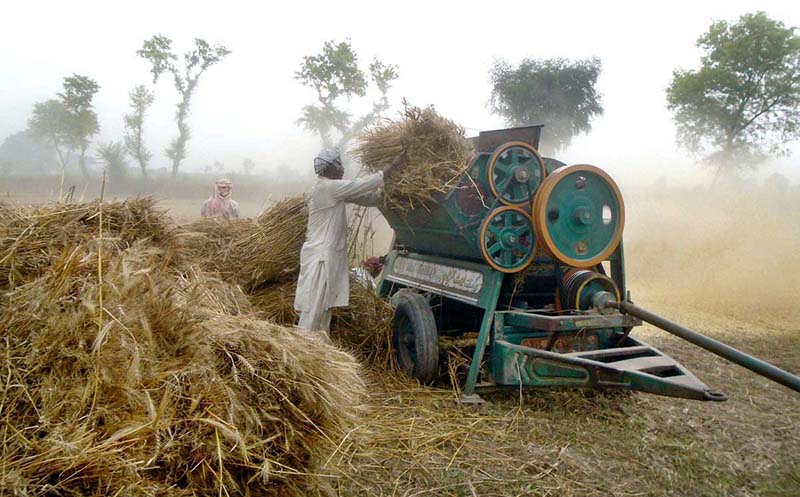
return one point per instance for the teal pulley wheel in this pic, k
(579, 215)
(507, 239)
(552, 164)
(515, 172)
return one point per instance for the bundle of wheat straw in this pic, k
(437, 155)
(364, 326)
(169, 389)
(254, 252)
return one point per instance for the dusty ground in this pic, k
(725, 264)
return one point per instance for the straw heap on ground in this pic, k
(365, 326)
(172, 388)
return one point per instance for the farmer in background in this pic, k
(323, 282)
(220, 204)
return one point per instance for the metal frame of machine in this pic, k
(534, 286)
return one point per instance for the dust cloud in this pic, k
(731, 249)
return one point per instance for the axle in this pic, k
(725, 351)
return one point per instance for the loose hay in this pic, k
(170, 389)
(254, 252)
(262, 255)
(31, 237)
(437, 154)
(364, 326)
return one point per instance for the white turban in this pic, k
(328, 156)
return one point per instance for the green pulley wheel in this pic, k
(552, 164)
(579, 215)
(508, 241)
(515, 172)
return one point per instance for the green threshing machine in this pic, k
(521, 265)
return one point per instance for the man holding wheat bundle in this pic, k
(323, 282)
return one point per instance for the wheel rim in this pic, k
(508, 240)
(515, 172)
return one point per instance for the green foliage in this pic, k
(141, 99)
(335, 74)
(49, 124)
(558, 93)
(112, 155)
(82, 123)
(158, 51)
(78, 92)
(69, 122)
(743, 103)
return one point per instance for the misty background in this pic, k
(248, 105)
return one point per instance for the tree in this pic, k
(22, 152)
(743, 103)
(335, 74)
(69, 122)
(158, 51)
(248, 165)
(558, 93)
(82, 123)
(49, 124)
(141, 99)
(112, 155)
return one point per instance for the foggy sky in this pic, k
(247, 106)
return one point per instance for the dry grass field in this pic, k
(726, 264)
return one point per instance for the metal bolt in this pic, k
(580, 183)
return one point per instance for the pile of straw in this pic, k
(254, 252)
(437, 155)
(169, 387)
(365, 326)
(30, 238)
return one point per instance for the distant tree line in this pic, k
(740, 107)
(65, 126)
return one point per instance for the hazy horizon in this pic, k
(248, 105)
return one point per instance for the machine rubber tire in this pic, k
(414, 327)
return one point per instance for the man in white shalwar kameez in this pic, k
(324, 274)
